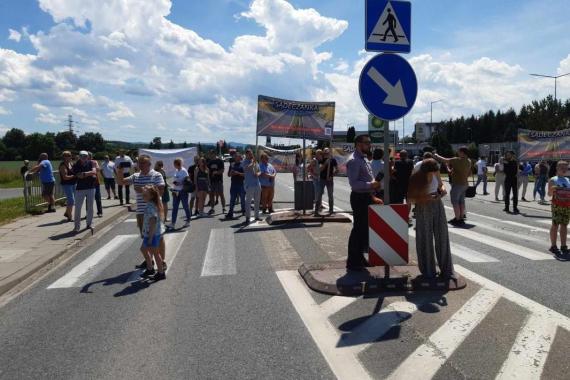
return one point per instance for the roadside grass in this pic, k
(10, 175)
(11, 209)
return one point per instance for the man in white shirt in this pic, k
(124, 163)
(482, 174)
(108, 171)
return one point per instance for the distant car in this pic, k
(227, 158)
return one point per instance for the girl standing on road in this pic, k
(152, 233)
(267, 181)
(159, 167)
(559, 190)
(425, 191)
(202, 181)
(67, 180)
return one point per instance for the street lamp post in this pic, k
(555, 77)
(431, 110)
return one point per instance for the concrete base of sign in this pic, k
(333, 278)
(296, 216)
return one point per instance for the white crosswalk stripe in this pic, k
(220, 259)
(85, 271)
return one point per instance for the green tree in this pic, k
(156, 143)
(92, 142)
(38, 143)
(66, 140)
(15, 139)
(442, 145)
(185, 145)
(171, 145)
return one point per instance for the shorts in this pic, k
(193, 194)
(166, 196)
(153, 242)
(560, 215)
(109, 183)
(69, 191)
(457, 194)
(217, 187)
(47, 189)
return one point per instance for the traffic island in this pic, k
(333, 278)
(297, 216)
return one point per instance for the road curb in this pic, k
(85, 237)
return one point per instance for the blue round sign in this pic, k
(388, 86)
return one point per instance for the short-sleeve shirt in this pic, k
(328, 171)
(237, 180)
(150, 212)
(138, 179)
(218, 166)
(481, 165)
(251, 180)
(511, 169)
(46, 172)
(403, 170)
(267, 169)
(461, 171)
(179, 176)
(108, 169)
(84, 183)
(124, 162)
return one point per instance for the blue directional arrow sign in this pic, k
(388, 26)
(388, 86)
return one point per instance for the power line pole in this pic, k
(70, 123)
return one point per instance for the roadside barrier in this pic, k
(33, 191)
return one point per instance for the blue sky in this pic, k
(192, 70)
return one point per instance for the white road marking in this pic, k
(343, 363)
(130, 221)
(428, 358)
(220, 259)
(528, 355)
(547, 315)
(467, 254)
(514, 249)
(85, 271)
(335, 304)
(532, 228)
(549, 222)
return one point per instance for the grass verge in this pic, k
(11, 209)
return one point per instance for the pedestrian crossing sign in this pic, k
(388, 26)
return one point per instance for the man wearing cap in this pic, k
(47, 179)
(85, 172)
(123, 163)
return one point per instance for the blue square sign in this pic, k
(388, 26)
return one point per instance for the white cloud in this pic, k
(4, 129)
(129, 126)
(121, 111)
(40, 107)
(14, 35)
(4, 111)
(49, 118)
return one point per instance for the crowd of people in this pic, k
(421, 186)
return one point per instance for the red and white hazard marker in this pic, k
(388, 235)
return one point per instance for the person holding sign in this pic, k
(559, 190)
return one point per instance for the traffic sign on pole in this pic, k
(388, 26)
(388, 86)
(388, 235)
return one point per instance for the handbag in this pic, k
(188, 186)
(471, 190)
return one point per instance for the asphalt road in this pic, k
(233, 307)
(11, 193)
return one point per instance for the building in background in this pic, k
(340, 136)
(424, 131)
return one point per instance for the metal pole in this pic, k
(304, 174)
(555, 84)
(387, 163)
(431, 114)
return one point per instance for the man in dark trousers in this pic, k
(363, 185)
(511, 181)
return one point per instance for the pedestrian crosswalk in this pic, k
(525, 357)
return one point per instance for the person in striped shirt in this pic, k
(145, 176)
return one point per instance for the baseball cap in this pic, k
(83, 153)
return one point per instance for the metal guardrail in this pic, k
(33, 191)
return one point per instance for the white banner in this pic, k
(168, 155)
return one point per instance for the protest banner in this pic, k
(167, 156)
(282, 160)
(294, 119)
(544, 145)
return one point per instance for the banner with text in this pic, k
(543, 145)
(289, 118)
